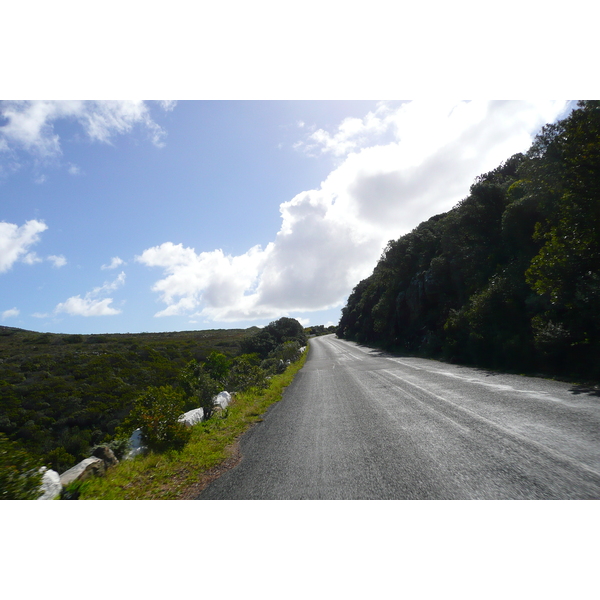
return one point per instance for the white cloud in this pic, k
(167, 105)
(114, 263)
(30, 127)
(15, 242)
(87, 307)
(31, 258)
(13, 312)
(57, 261)
(92, 304)
(399, 167)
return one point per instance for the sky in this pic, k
(132, 216)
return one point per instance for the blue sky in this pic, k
(167, 216)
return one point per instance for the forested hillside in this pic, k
(510, 277)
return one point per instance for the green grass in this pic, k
(176, 474)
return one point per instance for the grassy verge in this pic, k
(179, 475)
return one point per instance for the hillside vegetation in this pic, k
(510, 277)
(60, 395)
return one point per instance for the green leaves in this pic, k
(20, 478)
(156, 413)
(511, 275)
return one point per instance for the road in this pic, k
(357, 423)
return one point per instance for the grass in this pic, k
(177, 475)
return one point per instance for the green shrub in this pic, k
(72, 491)
(20, 478)
(199, 388)
(245, 375)
(156, 413)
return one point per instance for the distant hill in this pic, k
(510, 277)
(62, 393)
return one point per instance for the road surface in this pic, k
(357, 423)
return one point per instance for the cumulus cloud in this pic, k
(30, 124)
(399, 166)
(13, 312)
(92, 304)
(57, 261)
(15, 242)
(114, 263)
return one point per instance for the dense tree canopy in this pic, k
(510, 277)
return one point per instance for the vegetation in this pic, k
(317, 330)
(20, 477)
(265, 341)
(175, 474)
(510, 277)
(61, 395)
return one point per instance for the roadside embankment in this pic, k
(212, 448)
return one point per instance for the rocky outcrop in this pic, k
(81, 471)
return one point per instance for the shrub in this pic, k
(156, 413)
(244, 375)
(20, 477)
(200, 388)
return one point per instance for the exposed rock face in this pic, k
(107, 455)
(86, 468)
(51, 486)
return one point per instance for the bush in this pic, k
(20, 477)
(244, 375)
(199, 388)
(156, 413)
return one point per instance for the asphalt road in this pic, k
(360, 424)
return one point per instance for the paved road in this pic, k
(359, 424)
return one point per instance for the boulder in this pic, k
(51, 485)
(81, 471)
(135, 444)
(107, 455)
(223, 399)
(191, 417)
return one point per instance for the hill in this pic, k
(510, 277)
(61, 394)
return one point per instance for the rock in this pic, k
(107, 455)
(81, 471)
(191, 417)
(51, 485)
(135, 444)
(223, 399)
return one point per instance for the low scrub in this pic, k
(174, 474)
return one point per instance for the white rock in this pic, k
(223, 399)
(191, 417)
(135, 444)
(51, 485)
(83, 470)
